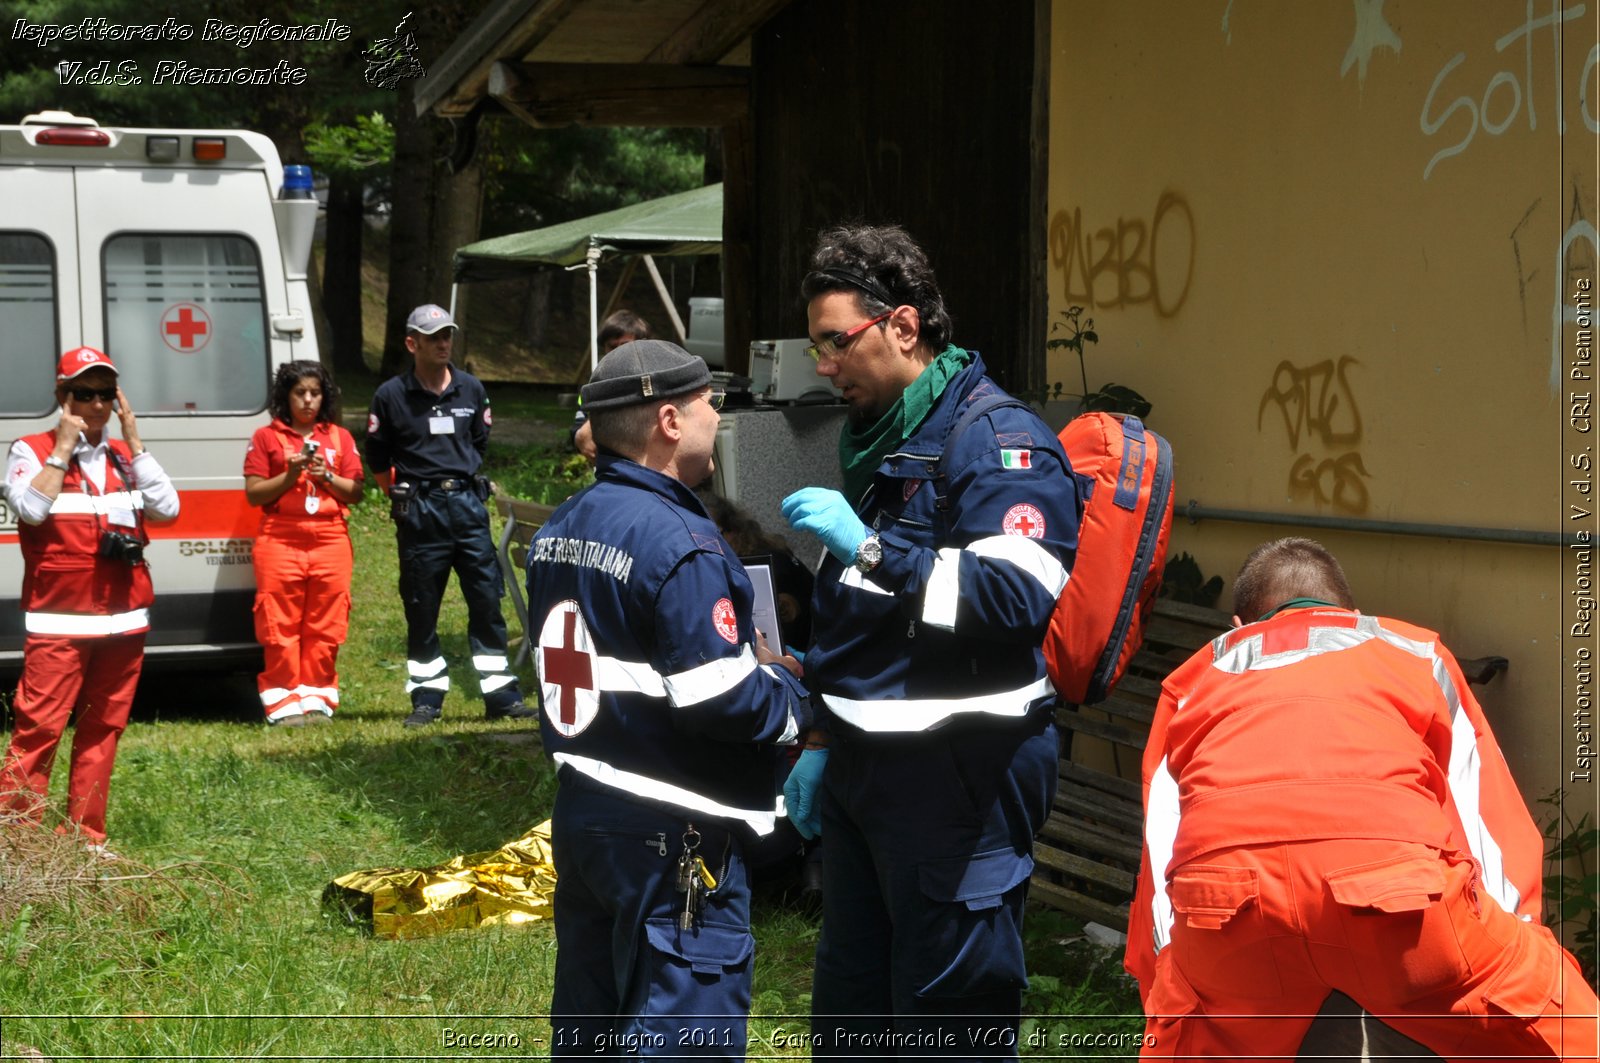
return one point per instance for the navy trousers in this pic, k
(439, 532)
(629, 981)
(928, 849)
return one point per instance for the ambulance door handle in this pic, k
(292, 324)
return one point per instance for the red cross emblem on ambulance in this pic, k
(185, 327)
(567, 670)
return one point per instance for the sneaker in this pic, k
(316, 710)
(297, 720)
(316, 718)
(421, 716)
(101, 852)
(517, 710)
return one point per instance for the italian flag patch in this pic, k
(1016, 459)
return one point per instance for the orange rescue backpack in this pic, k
(1124, 473)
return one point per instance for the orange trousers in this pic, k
(1261, 934)
(302, 613)
(97, 678)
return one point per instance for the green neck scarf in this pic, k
(862, 448)
(1296, 603)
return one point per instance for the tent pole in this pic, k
(593, 259)
(666, 299)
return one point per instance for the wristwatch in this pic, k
(56, 463)
(869, 554)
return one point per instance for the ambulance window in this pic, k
(186, 322)
(28, 323)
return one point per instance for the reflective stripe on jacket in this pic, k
(67, 588)
(646, 655)
(948, 626)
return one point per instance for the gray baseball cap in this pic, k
(644, 371)
(428, 319)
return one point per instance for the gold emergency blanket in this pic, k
(515, 884)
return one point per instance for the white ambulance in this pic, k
(182, 255)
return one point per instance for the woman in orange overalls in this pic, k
(304, 472)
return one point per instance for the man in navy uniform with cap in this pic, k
(427, 432)
(663, 709)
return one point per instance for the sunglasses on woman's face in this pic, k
(90, 394)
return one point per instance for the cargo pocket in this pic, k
(1531, 980)
(1220, 937)
(1169, 1005)
(706, 953)
(969, 938)
(1396, 917)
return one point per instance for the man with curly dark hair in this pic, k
(945, 555)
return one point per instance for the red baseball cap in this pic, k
(80, 360)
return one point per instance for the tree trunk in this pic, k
(341, 275)
(536, 315)
(410, 224)
(457, 205)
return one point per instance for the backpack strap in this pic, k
(972, 409)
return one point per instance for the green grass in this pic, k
(226, 952)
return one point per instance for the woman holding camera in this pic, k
(304, 472)
(81, 499)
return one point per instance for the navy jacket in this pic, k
(647, 651)
(948, 626)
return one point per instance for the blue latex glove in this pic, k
(824, 513)
(800, 797)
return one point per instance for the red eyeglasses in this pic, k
(833, 346)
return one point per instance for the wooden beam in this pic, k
(714, 31)
(460, 78)
(621, 94)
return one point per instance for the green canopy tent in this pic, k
(689, 223)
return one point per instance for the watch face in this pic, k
(868, 554)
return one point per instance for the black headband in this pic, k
(859, 281)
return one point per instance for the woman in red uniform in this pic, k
(304, 472)
(81, 500)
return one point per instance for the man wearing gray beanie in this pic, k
(663, 710)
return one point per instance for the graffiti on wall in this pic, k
(1508, 94)
(1319, 413)
(1372, 33)
(1130, 262)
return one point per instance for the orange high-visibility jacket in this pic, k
(1324, 723)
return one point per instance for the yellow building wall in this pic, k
(1341, 247)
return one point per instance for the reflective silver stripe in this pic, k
(441, 683)
(919, 714)
(1160, 832)
(1465, 769)
(294, 708)
(943, 592)
(791, 728)
(1466, 784)
(760, 821)
(275, 695)
(425, 669)
(490, 683)
(617, 676)
(82, 624)
(709, 680)
(328, 694)
(490, 662)
(853, 577)
(76, 503)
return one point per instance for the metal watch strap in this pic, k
(869, 554)
(56, 463)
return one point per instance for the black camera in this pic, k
(119, 546)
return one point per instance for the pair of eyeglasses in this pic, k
(90, 394)
(833, 346)
(717, 398)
